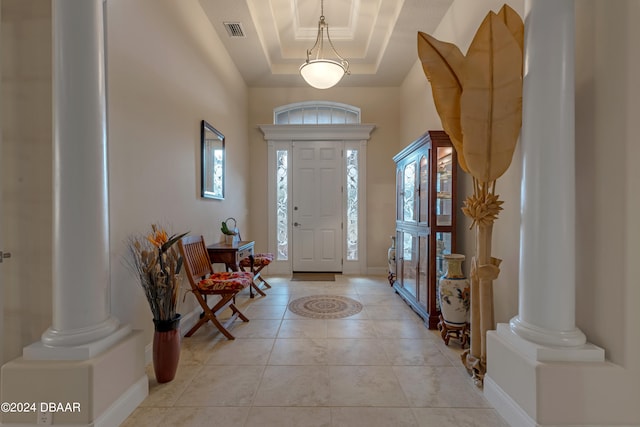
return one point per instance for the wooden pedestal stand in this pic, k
(461, 333)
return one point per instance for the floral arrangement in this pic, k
(157, 262)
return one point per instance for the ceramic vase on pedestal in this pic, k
(166, 348)
(454, 297)
(391, 260)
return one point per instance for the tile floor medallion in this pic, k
(379, 367)
(325, 306)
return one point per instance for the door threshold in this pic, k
(313, 276)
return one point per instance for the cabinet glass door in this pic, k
(443, 186)
(409, 192)
(399, 195)
(423, 271)
(443, 247)
(424, 189)
(407, 261)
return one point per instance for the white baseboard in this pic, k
(513, 414)
(125, 405)
(505, 405)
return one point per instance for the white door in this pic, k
(317, 206)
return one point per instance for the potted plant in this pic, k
(157, 263)
(231, 235)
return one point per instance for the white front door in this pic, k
(317, 206)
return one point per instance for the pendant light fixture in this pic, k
(321, 72)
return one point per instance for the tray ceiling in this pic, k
(378, 37)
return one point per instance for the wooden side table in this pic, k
(231, 254)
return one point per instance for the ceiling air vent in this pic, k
(234, 29)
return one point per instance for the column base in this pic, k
(544, 337)
(577, 388)
(537, 345)
(101, 391)
(79, 337)
(41, 351)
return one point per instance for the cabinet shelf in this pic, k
(426, 173)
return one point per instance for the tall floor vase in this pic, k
(166, 348)
(454, 298)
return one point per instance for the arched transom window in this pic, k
(316, 113)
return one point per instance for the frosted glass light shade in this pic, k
(322, 73)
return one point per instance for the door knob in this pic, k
(295, 224)
(4, 255)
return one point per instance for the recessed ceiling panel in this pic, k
(352, 25)
(340, 13)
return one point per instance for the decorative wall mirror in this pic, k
(213, 160)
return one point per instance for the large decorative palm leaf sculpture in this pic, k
(479, 100)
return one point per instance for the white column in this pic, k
(81, 286)
(547, 234)
(104, 368)
(530, 360)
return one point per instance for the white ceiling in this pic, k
(377, 37)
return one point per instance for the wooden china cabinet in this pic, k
(426, 173)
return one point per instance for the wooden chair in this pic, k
(204, 281)
(259, 261)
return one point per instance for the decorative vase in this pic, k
(391, 260)
(454, 297)
(166, 348)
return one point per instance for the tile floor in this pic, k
(378, 368)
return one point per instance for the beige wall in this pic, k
(379, 106)
(167, 70)
(25, 173)
(607, 176)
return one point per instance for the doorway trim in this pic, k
(349, 136)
